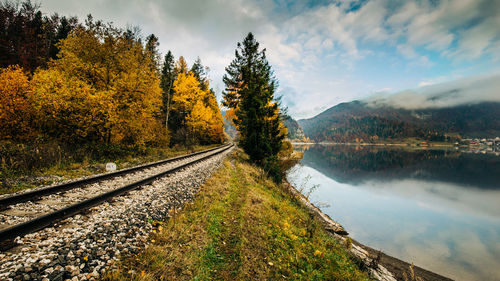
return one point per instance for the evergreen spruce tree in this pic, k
(62, 32)
(152, 45)
(200, 73)
(168, 76)
(250, 88)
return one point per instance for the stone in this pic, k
(56, 276)
(110, 167)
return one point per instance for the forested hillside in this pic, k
(357, 120)
(74, 94)
(295, 131)
(75, 83)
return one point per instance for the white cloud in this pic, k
(425, 83)
(469, 90)
(477, 39)
(407, 51)
(324, 43)
(437, 26)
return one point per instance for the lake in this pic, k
(438, 208)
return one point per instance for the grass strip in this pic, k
(241, 226)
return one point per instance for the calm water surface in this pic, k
(437, 208)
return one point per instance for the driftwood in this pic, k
(376, 270)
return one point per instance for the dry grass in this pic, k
(411, 276)
(241, 226)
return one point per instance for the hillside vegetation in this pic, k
(357, 121)
(241, 226)
(73, 92)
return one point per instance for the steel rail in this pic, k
(49, 219)
(33, 195)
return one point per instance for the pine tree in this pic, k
(152, 44)
(250, 88)
(63, 29)
(200, 73)
(168, 75)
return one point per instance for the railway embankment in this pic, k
(81, 247)
(241, 226)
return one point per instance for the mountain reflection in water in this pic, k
(437, 208)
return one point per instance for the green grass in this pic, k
(241, 226)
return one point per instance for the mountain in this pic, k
(360, 120)
(357, 165)
(229, 127)
(295, 131)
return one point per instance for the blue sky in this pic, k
(324, 52)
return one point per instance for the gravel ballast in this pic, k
(84, 246)
(25, 211)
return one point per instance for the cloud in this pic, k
(478, 39)
(472, 24)
(425, 83)
(469, 90)
(312, 43)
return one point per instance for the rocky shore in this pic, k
(381, 266)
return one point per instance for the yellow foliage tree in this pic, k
(14, 104)
(68, 108)
(181, 66)
(205, 124)
(187, 92)
(198, 108)
(117, 69)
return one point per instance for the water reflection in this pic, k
(437, 208)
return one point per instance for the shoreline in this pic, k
(374, 144)
(429, 146)
(382, 266)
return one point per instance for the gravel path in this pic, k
(83, 246)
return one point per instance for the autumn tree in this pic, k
(62, 31)
(67, 108)
(117, 69)
(196, 110)
(27, 37)
(181, 66)
(177, 116)
(250, 88)
(95, 83)
(14, 104)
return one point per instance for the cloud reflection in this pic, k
(447, 228)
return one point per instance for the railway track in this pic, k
(34, 210)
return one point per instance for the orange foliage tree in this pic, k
(14, 104)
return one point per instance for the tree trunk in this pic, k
(168, 105)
